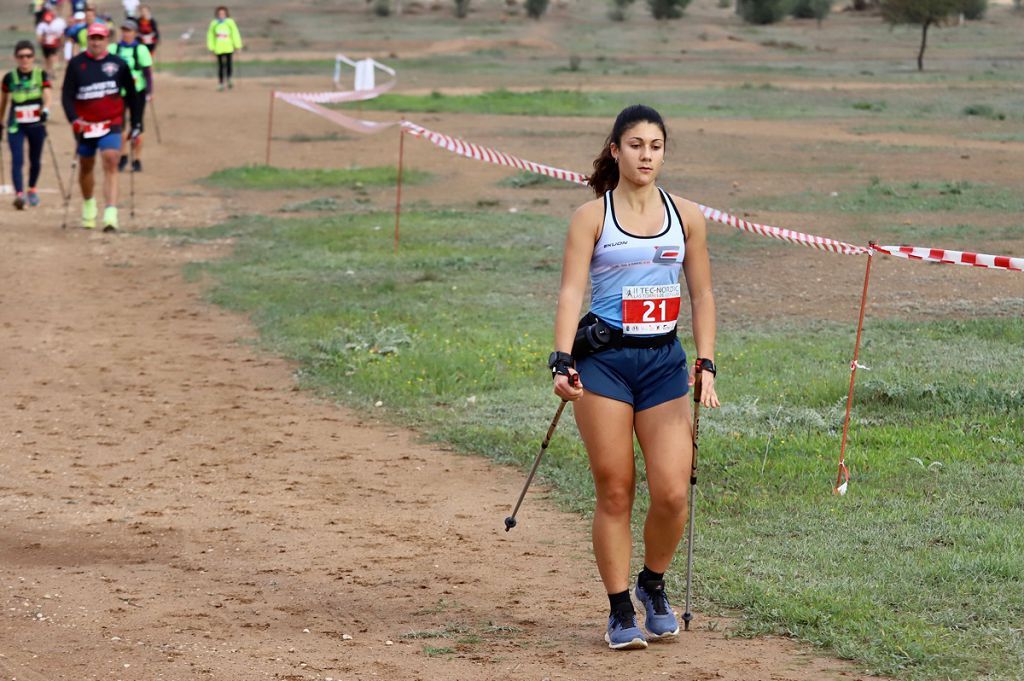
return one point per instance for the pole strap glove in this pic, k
(560, 363)
(704, 364)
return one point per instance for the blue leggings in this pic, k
(36, 135)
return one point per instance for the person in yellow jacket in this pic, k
(223, 39)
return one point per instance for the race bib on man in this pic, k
(649, 310)
(96, 130)
(28, 113)
(147, 38)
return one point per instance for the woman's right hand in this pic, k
(569, 387)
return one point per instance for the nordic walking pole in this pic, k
(71, 189)
(510, 521)
(56, 169)
(156, 120)
(3, 182)
(687, 615)
(131, 177)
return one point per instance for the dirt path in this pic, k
(171, 507)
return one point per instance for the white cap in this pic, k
(78, 15)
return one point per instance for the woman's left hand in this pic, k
(708, 396)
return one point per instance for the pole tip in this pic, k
(510, 522)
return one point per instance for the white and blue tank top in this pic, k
(635, 279)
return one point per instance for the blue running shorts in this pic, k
(642, 377)
(112, 140)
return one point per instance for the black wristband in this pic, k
(707, 365)
(559, 363)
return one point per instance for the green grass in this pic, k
(883, 197)
(271, 177)
(739, 102)
(918, 572)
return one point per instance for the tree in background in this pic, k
(924, 13)
(667, 9)
(461, 8)
(535, 8)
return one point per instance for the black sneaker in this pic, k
(122, 164)
(136, 166)
(109, 228)
(19, 202)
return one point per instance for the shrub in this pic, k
(667, 9)
(618, 9)
(812, 9)
(382, 8)
(974, 9)
(762, 11)
(535, 8)
(461, 8)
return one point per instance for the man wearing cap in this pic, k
(139, 61)
(97, 87)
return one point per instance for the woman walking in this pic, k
(223, 39)
(149, 33)
(632, 241)
(27, 88)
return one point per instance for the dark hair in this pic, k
(219, 8)
(606, 170)
(24, 45)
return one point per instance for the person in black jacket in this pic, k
(97, 87)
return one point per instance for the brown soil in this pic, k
(173, 508)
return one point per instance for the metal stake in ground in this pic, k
(510, 521)
(71, 189)
(56, 168)
(687, 615)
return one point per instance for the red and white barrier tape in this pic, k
(793, 237)
(996, 262)
(475, 151)
(354, 124)
(310, 102)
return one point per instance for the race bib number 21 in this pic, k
(648, 310)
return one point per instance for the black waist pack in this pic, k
(594, 335)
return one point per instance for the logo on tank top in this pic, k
(666, 255)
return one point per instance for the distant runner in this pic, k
(28, 89)
(94, 104)
(149, 33)
(50, 32)
(223, 39)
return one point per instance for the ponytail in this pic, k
(606, 168)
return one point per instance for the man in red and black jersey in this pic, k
(97, 86)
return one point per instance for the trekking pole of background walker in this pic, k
(688, 615)
(71, 188)
(156, 120)
(510, 521)
(131, 176)
(3, 177)
(56, 168)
